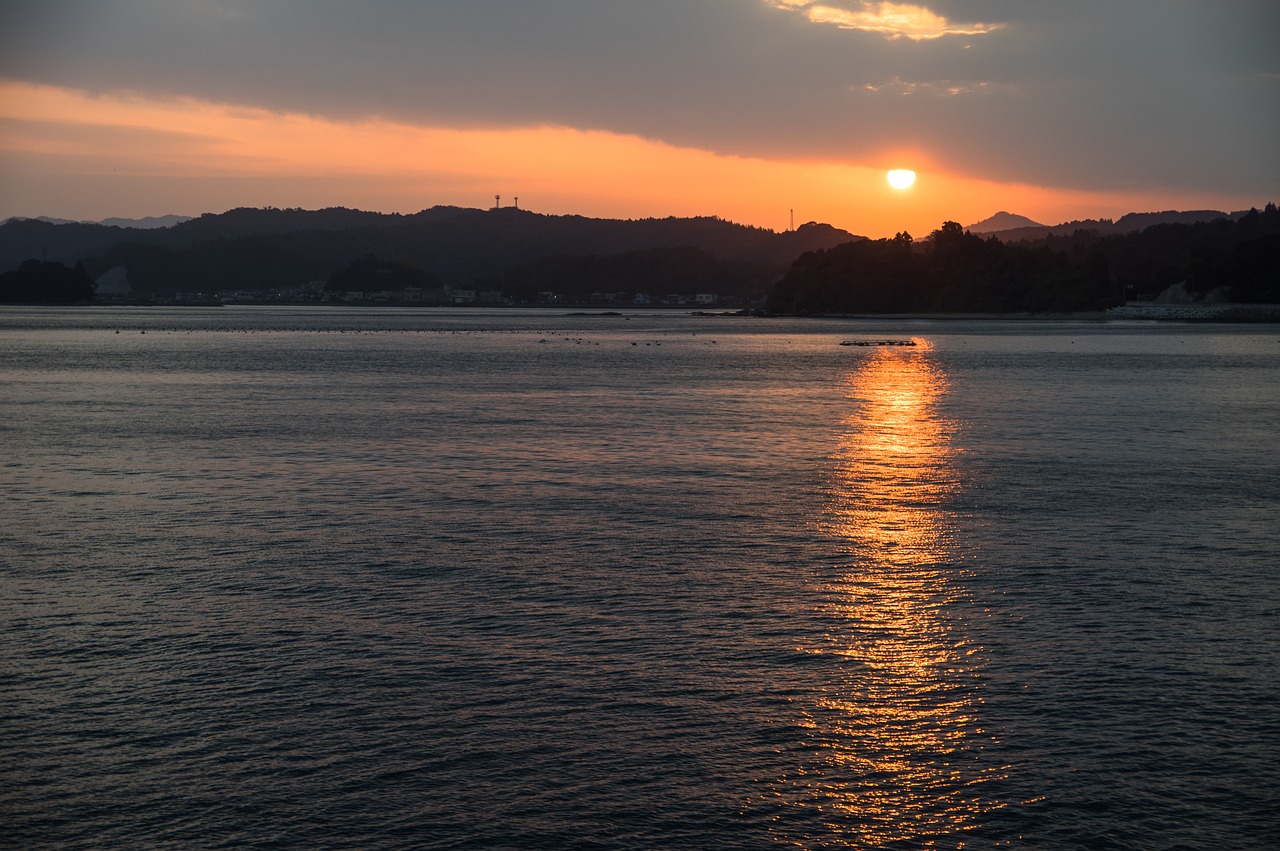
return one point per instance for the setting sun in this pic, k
(901, 178)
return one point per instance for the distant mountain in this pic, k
(46, 219)
(145, 223)
(1021, 229)
(1131, 222)
(1002, 221)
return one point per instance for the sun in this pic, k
(901, 178)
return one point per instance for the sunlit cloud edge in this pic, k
(892, 20)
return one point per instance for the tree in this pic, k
(37, 282)
(370, 274)
(953, 271)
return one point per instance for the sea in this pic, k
(313, 577)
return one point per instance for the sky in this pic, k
(759, 111)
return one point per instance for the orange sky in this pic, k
(71, 155)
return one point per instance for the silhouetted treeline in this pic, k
(1128, 223)
(521, 253)
(956, 271)
(1240, 258)
(37, 282)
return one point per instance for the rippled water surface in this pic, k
(474, 579)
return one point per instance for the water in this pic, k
(461, 579)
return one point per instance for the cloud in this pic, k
(1091, 94)
(893, 20)
(938, 88)
(75, 155)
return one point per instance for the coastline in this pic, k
(1197, 312)
(1147, 312)
(1138, 311)
(1083, 316)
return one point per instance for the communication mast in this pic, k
(497, 201)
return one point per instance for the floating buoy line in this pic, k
(878, 343)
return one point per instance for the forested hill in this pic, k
(1010, 228)
(954, 270)
(274, 248)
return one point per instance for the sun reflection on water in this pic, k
(896, 733)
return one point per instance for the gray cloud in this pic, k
(1149, 93)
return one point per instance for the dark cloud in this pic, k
(1153, 93)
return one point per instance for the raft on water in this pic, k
(878, 343)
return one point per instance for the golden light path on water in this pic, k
(897, 731)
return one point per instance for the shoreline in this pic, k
(1226, 312)
(1140, 312)
(1084, 316)
(1134, 312)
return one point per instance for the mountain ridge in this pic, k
(1021, 229)
(460, 247)
(144, 223)
(270, 248)
(1003, 221)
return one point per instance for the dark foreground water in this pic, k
(307, 578)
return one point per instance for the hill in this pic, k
(146, 222)
(955, 270)
(1002, 221)
(1008, 227)
(256, 249)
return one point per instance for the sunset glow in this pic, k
(121, 154)
(746, 111)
